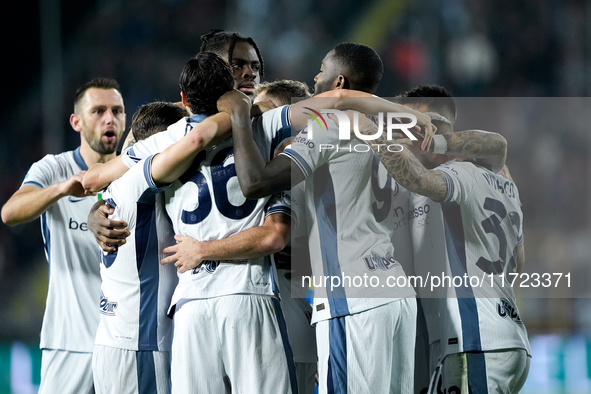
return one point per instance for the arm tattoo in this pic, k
(488, 149)
(411, 174)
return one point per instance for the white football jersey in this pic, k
(390, 206)
(207, 204)
(71, 317)
(137, 289)
(348, 238)
(475, 231)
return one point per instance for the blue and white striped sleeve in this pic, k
(310, 153)
(460, 182)
(280, 203)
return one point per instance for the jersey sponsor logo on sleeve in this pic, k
(107, 307)
(304, 141)
(283, 195)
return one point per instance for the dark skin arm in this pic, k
(109, 234)
(256, 177)
(259, 179)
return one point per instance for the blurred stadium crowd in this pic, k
(491, 48)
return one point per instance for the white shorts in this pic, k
(297, 313)
(498, 372)
(368, 352)
(122, 371)
(66, 372)
(235, 343)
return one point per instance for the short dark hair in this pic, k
(99, 83)
(217, 39)
(436, 97)
(283, 90)
(205, 78)
(154, 117)
(363, 64)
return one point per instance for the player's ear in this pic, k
(76, 122)
(341, 82)
(184, 100)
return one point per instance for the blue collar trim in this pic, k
(79, 160)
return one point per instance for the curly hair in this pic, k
(217, 39)
(205, 78)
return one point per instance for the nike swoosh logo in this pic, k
(71, 199)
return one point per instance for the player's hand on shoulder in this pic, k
(109, 234)
(185, 254)
(234, 101)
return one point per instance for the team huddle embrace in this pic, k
(220, 205)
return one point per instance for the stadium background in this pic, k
(489, 48)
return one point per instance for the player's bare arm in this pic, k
(255, 242)
(100, 175)
(411, 174)
(109, 234)
(358, 101)
(257, 179)
(177, 158)
(486, 148)
(29, 202)
(211, 131)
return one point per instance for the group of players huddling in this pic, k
(196, 215)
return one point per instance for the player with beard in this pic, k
(132, 347)
(242, 285)
(52, 189)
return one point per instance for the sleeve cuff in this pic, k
(282, 209)
(450, 186)
(298, 160)
(33, 183)
(149, 179)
